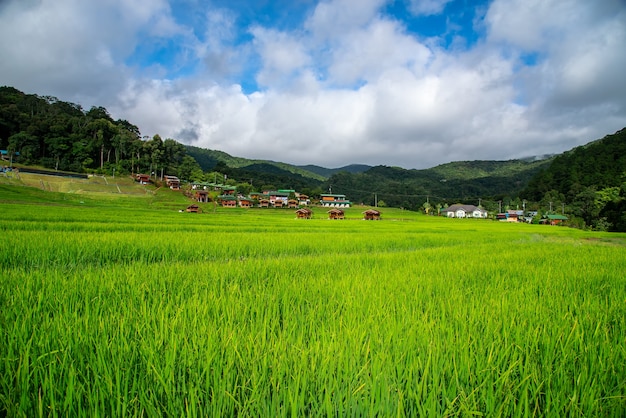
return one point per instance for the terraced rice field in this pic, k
(125, 309)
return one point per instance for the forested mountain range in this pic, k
(587, 182)
(590, 179)
(475, 182)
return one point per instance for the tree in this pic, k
(427, 207)
(26, 144)
(189, 169)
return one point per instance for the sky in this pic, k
(408, 83)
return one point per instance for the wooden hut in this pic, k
(304, 213)
(264, 203)
(245, 202)
(172, 182)
(142, 178)
(371, 215)
(193, 209)
(202, 196)
(228, 201)
(335, 214)
(292, 203)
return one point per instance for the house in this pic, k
(202, 196)
(292, 203)
(227, 190)
(222, 188)
(371, 215)
(193, 209)
(245, 202)
(507, 217)
(303, 200)
(142, 178)
(228, 201)
(464, 211)
(172, 182)
(304, 213)
(530, 215)
(334, 201)
(278, 199)
(264, 203)
(553, 219)
(335, 214)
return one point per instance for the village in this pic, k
(228, 197)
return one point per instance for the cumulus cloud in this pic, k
(428, 7)
(347, 85)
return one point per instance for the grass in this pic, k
(124, 306)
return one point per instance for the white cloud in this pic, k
(351, 85)
(365, 53)
(333, 18)
(282, 56)
(428, 7)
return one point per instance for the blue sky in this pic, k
(412, 83)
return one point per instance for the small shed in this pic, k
(245, 202)
(278, 203)
(335, 214)
(193, 209)
(371, 215)
(292, 203)
(304, 213)
(264, 203)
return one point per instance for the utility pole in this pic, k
(375, 200)
(550, 206)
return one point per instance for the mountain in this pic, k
(590, 180)
(327, 172)
(462, 181)
(210, 159)
(598, 164)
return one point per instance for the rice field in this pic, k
(135, 309)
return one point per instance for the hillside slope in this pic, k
(465, 181)
(209, 159)
(598, 164)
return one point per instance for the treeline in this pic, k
(59, 135)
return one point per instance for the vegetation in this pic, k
(588, 184)
(55, 134)
(591, 178)
(466, 181)
(110, 309)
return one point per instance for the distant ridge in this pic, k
(327, 172)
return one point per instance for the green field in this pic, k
(120, 305)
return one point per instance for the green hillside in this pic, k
(210, 159)
(465, 181)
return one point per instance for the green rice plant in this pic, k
(105, 311)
